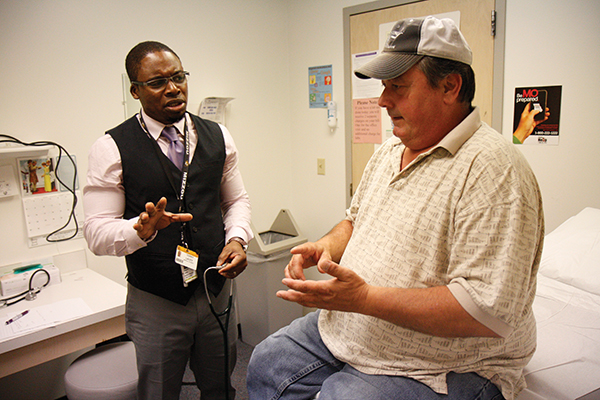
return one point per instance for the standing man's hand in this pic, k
(155, 218)
(233, 259)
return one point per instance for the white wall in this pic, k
(547, 43)
(558, 43)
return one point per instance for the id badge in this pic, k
(188, 260)
(188, 275)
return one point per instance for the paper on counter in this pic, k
(44, 317)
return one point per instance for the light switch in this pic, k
(320, 166)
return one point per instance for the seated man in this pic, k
(434, 268)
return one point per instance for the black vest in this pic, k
(153, 268)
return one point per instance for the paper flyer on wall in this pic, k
(366, 119)
(364, 88)
(543, 127)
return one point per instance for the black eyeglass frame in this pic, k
(159, 83)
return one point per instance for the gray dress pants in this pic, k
(166, 335)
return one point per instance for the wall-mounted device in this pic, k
(8, 182)
(332, 114)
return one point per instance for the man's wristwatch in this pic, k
(240, 241)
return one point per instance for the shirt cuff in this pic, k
(462, 296)
(134, 242)
(236, 232)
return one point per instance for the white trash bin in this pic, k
(260, 311)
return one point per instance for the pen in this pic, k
(16, 317)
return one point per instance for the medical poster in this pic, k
(537, 115)
(320, 86)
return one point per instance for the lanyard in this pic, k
(184, 170)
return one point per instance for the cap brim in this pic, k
(387, 65)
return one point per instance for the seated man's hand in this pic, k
(346, 291)
(305, 256)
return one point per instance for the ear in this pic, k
(133, 89)
(452, 85)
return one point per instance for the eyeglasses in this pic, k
(159, 83)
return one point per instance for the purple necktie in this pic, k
(175, 152)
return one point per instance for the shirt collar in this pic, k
(155, 128)
(451, 142)
(457, 136)
(461, 132)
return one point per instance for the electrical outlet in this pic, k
(320, 166)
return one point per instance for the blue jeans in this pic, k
(294, 363)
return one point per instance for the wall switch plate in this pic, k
(320, 166)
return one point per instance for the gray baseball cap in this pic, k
(412, 39)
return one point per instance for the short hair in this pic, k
(436, 69)
(135, 56)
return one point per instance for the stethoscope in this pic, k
(225, 327)
(29, 294)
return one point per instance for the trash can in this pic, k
(260, 311)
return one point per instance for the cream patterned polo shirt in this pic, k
(467, 214)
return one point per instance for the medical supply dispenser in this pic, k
(260, 311)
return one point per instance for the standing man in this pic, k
(433, 271)
(189, 167)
